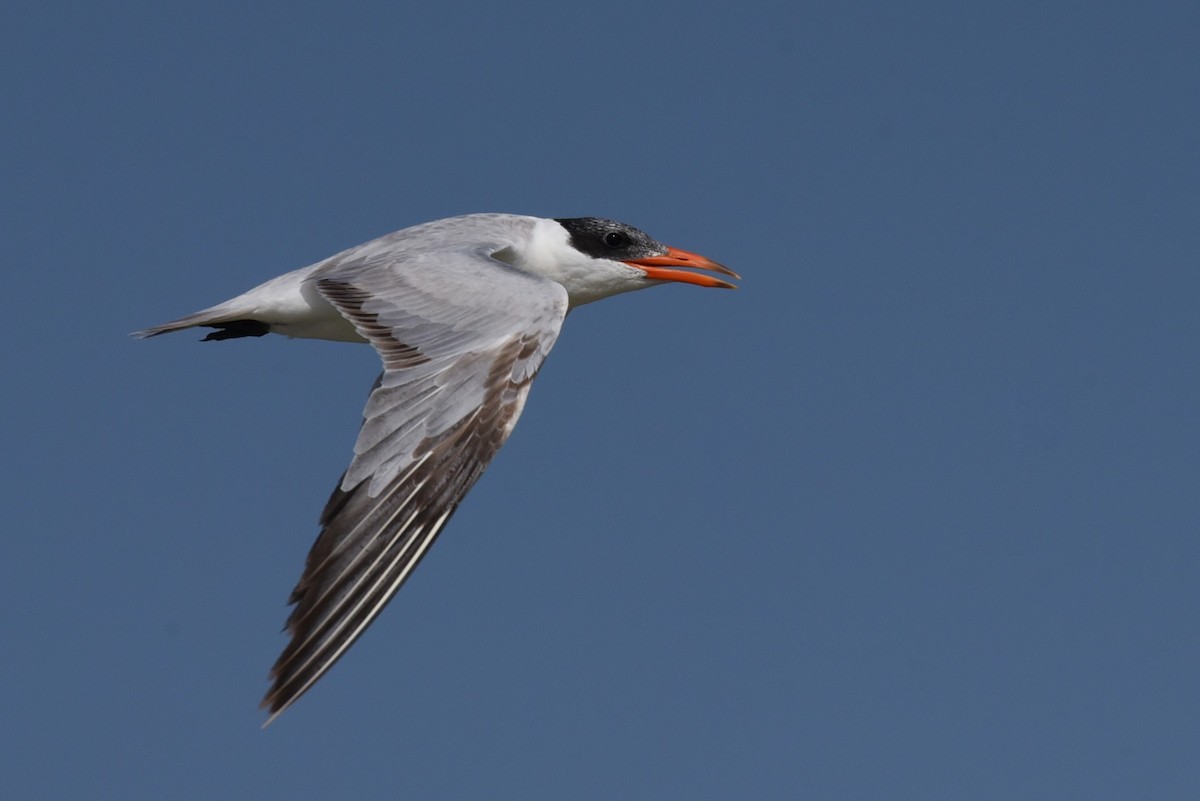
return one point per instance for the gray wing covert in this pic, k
(461, 337)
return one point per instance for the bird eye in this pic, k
(616, 239)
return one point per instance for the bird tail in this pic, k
(229, 323)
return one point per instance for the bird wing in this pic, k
(461, 336)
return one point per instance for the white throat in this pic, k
(548, 252)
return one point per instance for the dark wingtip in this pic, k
(237, 328)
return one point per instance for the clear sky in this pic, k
(914, 514)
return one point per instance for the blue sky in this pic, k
(913, 514)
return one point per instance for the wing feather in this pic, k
(461, 337)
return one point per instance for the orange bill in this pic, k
(655, 268)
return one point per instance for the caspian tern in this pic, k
(462, 311)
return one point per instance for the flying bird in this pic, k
(462, 312)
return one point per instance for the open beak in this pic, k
(654, 267)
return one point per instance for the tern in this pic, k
(462, 312)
